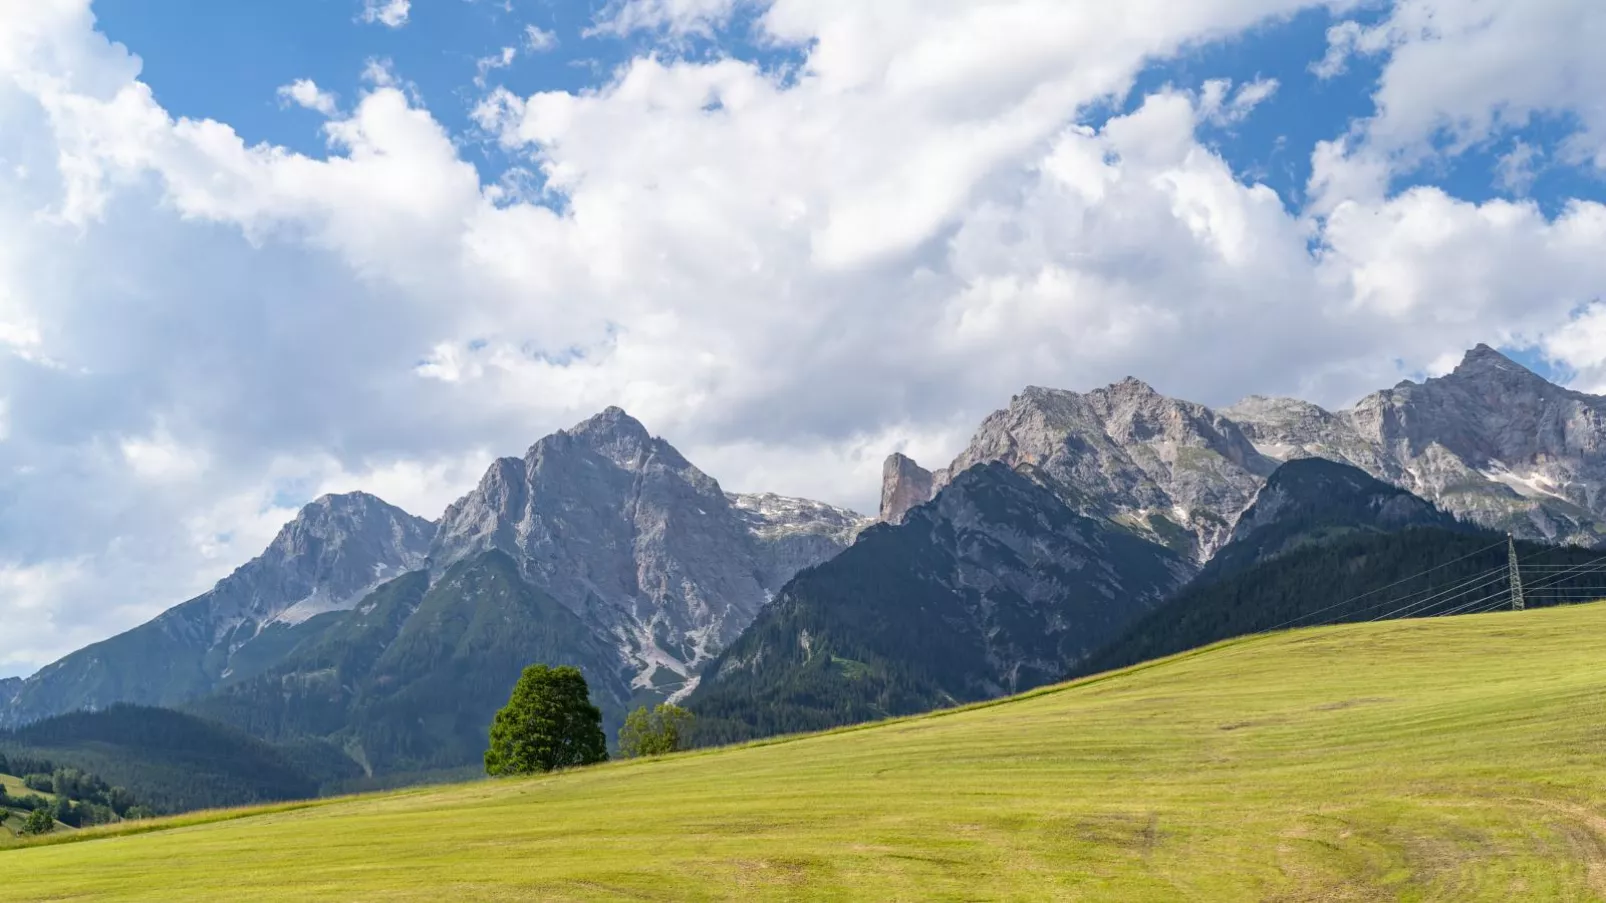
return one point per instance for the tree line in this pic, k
(81, 799)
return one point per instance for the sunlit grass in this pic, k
(1454, 759)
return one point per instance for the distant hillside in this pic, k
(174, 762)
(1355, 577)
(993, 587)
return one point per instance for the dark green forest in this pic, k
(81, 799)
(168, 761)
(1355, 577)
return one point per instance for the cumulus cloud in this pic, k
(487, 64)
(1223, 107)
(538, 40)
(1459, 72)
(389, 13)
(675, 17)
(787, 276)
(304, 92)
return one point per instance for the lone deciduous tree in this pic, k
(548, 723)
(653, 733)
(39, 822)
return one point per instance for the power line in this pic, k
(1380, 589)
(1466, 587)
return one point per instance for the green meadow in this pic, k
(1451, 759)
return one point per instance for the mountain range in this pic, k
(1491, 442)
(638, 559)
(1202, 524)
(1071, 523)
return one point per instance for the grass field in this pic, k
(1454, 759)
(15, 787)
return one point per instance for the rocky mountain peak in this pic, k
(357, 517)
(646, 549)
(904, 485)
(617, 436)
(1131, 388)
(1484, 359)
(611, 422)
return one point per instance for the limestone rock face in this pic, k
(792, 534)
(1491, 442)
(1175, 471)
(648, 550)
(904, 485)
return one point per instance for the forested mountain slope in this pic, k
(994, 587)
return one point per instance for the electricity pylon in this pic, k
(1516, 575)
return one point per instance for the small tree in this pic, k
(38, 822)
(549, 722)
(653, 733)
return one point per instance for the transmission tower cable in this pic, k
(1295, 620)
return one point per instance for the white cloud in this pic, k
(1461, 71)
(1580, 344)
(30, 594)
(486, 64)
(160, 458)
(1219, 105)
(1515, 171)
(675, 17)
(389, 13)
(537, 40)
(787, 278)
(304, 92)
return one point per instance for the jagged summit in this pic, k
(1130, 386)
(1172, 467)
(612, 433)
(1484, 358)
(611, 421)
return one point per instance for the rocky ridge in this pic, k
(1491, 442)
(1175, 471)
(335, 551)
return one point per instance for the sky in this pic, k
(255, 252)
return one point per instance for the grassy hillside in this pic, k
(1455, 759)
